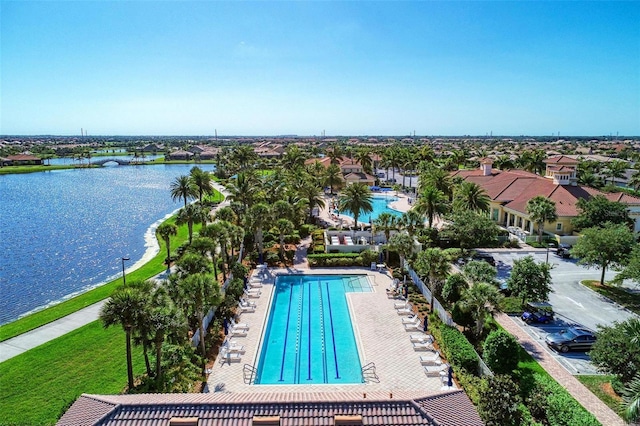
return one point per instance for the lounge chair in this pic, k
(436, 371)
(237, 332)
(252, 294)
(233, 347)
(421, 337)
(432, 358)
(413, 326)
(229, 357)
(411, 320)
(422, 346)
(245, 302)
(401, 305)
(255, 284)
(246, 308)
(239, 325)
(408, 310)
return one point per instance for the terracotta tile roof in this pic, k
(23, 157)
(558, 159)
(313, 408)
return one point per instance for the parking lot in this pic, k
(572, 303)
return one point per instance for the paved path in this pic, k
(599, 409)
(31, 339)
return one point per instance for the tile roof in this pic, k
(314, 408)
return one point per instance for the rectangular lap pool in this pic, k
(309, 337)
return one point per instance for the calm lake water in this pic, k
(65, 231)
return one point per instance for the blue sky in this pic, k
(345, 68)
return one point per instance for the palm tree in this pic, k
(200, 291)
(166, 231)
(634, 182)
(335, 153)
(615, 169)
(364, 159)
(356, 198)
(504, 162)
(434, 265)
(411, 221)
(314, 195)
(392, 158)
(260, 216)
(470, 196)
(541, 210)
(333, 177)
(215, 232)
(123, 309)
(481, 299)
(386, 222)
(190, 214)
(431, 203)
(202, 181)
(437, 178)
(244, 189)
(402, 243)
(181, 188)
(293, 158)
(284, 227)
(589, 179)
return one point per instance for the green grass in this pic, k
(148, 270)
(7, 170)
(600, 387)
(40, 384)
(617, 294)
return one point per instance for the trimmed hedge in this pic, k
(456, 348)
(559, 407)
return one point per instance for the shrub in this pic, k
(501, 352)
(614, 352)
(461, 316)
(457, 349)
(500, 402)
(305, 230)
(318, 249)
(272, 258)
(292, 239)
(511, 305)
(471, 384)
(452, 289)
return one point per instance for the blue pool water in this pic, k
(380, 205)
(309, 337)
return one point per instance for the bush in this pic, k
(457, 349)
(500, 402)
(471, 384)
(501, 352)
(614, 352)
(272, 258)
(331, 259)
(452, 289)
(511, 305)
(317, 249)
(461, 316)
(305, 230)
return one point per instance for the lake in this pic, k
(65, 231)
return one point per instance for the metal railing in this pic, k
(249, 374)
(369, 373)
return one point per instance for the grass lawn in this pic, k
(619, 295)
(600, 386)
(40, 384)
(148, 270)
(32, 169)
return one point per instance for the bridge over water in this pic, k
(120, 161)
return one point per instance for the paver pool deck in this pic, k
(381, 336)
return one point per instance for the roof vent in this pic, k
(347, 420)
(183, 421)
(266, 421)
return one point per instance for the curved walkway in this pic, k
(592, 403)
(31, 339)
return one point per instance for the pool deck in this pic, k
(381, 336)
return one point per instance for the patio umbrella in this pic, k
(450, 377)
(225, 325)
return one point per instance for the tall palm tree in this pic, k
(202, 181)
(386, 222)
(411, 221)
(357, 199)
(314, 196)
(392, 158)
(293, 158)
(215, 232)
(123, 309)
(244, 189)
(481, 300)
(541, 210)
(615, 169)
(470, 196)
(260, 216)
(201, 292)
(401, 243)
(434, 265)
(333, 177)
(364, 159)
(437, 178)
(166, 231)
(189, 215)
(634, 182)
(431, 203)
(335, 153)
(181, 188)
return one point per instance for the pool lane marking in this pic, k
(286, 335)
(325, 377)
(309, 339)
(333, 333)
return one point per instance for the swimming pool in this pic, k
(309, 337)
(380, 205)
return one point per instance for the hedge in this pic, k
(456, 348)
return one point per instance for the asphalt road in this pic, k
(572, 302)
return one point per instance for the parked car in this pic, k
(563, 250)
(486, 257)
(572, 338)
(538, 312)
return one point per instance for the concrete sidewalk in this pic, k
(31, 339)
(592, 403)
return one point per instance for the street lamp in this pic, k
(124, 278)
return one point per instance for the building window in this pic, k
(558, 226)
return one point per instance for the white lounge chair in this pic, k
(245, 302)
(422, 346)
(233, 347)
(237, 332)
(421, 337)
(239, 325)
(411, 320)
(401, 305)
(436, 371)
(246, 308)
(255, 284)
(229, 357)
(252, 294)
(432, 358)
